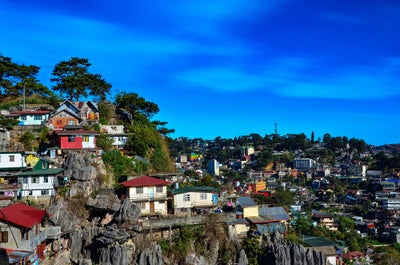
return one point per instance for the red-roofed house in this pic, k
(75, 138)
(148, 193)
(20, 228)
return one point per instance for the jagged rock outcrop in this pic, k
(150, 256)
(192, 259)
(60, 215)
(243, 258)
(102, 245)
(128, 213)
(292, 254)
(79, 168)
(105, 202)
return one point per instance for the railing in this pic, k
(52, 232)
(33, 242)
(148, 197)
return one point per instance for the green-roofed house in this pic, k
(40, 181)
(188, 199)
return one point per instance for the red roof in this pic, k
(145, 181)
(77, 132)
(31, 112)
(22, 215)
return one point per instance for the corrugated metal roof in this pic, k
(21, 215)
(246, 201)
(273, 213)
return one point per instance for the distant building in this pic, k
(116, 133)
(304, 163)
(213, 167)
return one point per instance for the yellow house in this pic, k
(246, 207)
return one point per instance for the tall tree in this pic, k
(74, 80)
(136, 105)
(6, 68)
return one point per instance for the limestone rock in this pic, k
(150, 256)
(105, 202)
(61, 216)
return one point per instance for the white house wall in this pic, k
(6, 163)
(91, 143)
(196, 200)
(35, 189)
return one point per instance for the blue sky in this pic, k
(229, 68)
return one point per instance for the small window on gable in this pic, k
(139, 190)
(71, 138)
(11, 158)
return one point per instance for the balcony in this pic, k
(33, 242)
(148, 197)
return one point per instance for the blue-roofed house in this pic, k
(246, 207)
(270, 220)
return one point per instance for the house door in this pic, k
(151, 193)
(152, 207)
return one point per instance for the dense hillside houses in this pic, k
(297, 192)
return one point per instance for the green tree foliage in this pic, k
(136, 105)
(145, 141)
(106, 111)
(7, 67)
(251, 245)
(121, 165)
(8, 123)
(283, 197)
(104, 142)
(27, 139)
(74, 80)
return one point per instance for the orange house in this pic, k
(60, 119)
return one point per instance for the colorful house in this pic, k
(148, 193)
(31, 117)
(116, 133)
(40, 181)
(20, 228)
(74, 138)
(63, 117)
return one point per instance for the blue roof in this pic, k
(273, 213)
(246, 201)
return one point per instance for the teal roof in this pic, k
(194, 189)
(50, 171)
(314, 241)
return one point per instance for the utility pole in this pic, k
(276, 128)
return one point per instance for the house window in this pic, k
(141, 205)
(11, 158)
(44, 192)
(186, 197)
(25, 180)
(46, 179)
(3, 236)
(44, 165)
(37, 117)
(85, 138)
(23, 118)
(71, 122)
(30, 193)
(71, 138)
(35, 180)
(139, 190)
(59, 122)
(203, 196)
(159, 189)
